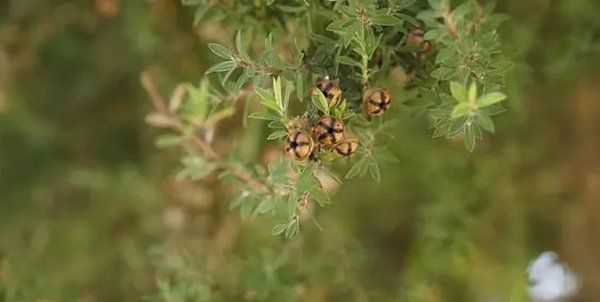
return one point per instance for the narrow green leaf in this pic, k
(436, 34)
(246, 209)
(221, 67)
(243, 78)
(278, 172)
(321, 102)
(293, 229)
(443, 73)
(240, 47)
(358, 168)
(470, 137)
(300, 87)
(472, 92)
(460, 109)
(445, 55)
(264, 95)
(277, 135)
(458, 91)
(439, 5)
(277, 92)
(462, 10)
(278, 229)
(199, 99)
(271, 105)
(386, 20)
(291, 9)
(292, 204)
(409, 19)
(347, 61)
(384, 155)
(372, 42)
(374, 170)
(320, 196)
(268, 99)
(490, 99)
(276, 124)
(289, 86)
(238, 200)
(202, 171)
(167, 140)
(265, 206)
(427, 15)
(261, 115)
(456, 126)
(220, 50)
(485, 122)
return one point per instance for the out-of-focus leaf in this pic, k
(220, 50)
(459, 92)
(278, 229)
(485, 122)
(167, 141)
(385, 19)
(221, 67)
(347, 61)
(470, 137)
(490, 99)
(460, 109)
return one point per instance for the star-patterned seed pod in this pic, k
(330, 90)
(376, 101)
(299, 145)
(328, 131)
(346, 148)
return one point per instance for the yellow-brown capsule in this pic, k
(330, 90)
(376, 101)
(299, 144)
(416, 38)
(346, 148)
(329, 131)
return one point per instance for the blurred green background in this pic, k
(90, 209)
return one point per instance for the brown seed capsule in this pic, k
(329, 131)
(346, 148)
(426, 46)
(416, 38)
(376, 101)
(299, 144)
(330, 90)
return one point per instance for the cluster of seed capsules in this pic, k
(328, 132)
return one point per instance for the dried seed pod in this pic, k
(346, 148)
(329, 131)
(330, 90)
(376, 101)
(299, 144)
(416, 38)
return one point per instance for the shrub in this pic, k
(322, 83)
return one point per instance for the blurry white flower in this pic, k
(550, 280)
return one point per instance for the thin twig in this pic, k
(258, 67)
(450, 24)
(155, 97)
(201, 144)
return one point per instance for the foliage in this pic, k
(91, 210)
(355, 43)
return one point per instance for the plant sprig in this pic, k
(450, 54)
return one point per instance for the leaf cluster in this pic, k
(355, 44)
